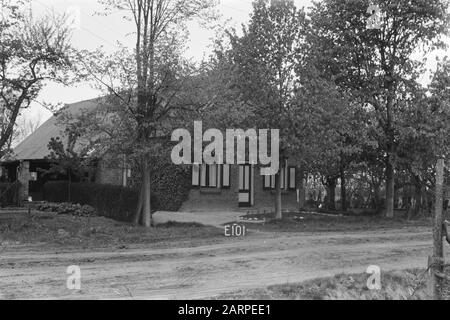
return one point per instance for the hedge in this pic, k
(9, 193)
(169, 191)
(115, 202)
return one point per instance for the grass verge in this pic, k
(318, 222)
(396, 285)
(86, 232)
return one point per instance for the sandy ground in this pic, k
(216, 218)
(261, 259)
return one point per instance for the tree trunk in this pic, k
(331, 192)
(69, 196)
(278, 214)
(146, 209)
(301, 190)
(376, 197)
(343, 191)
(438, 249)
(389, 188)
(138, 214)
(417, 196)
(7, 134)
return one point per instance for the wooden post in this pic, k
(438, 251)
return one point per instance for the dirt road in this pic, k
(186, 273)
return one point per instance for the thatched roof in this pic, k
(34, 147)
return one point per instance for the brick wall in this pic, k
(205, 199)
(265, 199)
(214, 199)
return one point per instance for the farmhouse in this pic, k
(28, 160)
(214, 187)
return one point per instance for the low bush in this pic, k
(67, 208)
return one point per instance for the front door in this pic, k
(245, 186)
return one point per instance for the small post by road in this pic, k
(437, 260)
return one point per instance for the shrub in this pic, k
(67, 208)
(170, 185)
(312, 203)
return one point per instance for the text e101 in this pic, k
(235, 230)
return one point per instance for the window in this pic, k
(211, 176)
(206, 175)
(269, 182)
(226, 176)
(245, 176)
(283, 178)
(287, 180)
(33, 176)
(196, 175)
(292, 178)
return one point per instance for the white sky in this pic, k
(96, 30)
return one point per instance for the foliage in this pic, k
(67, 208)
(147, 84)
(259, 71)
(9, 193)
(170, 184)
(265, 60)
(397, 285)
(377, 68)
(170, 188)
(70, 158)
(271, 82)
(32, 53)
(64, 160)
(110, 201)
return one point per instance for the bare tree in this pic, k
(150, 86)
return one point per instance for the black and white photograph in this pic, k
(224, 155)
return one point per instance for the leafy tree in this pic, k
(424, 135)
(264, 60)
(32, 52)
(376, 66)
(68, 155)
(264, 79)
(148, 87)
(328, 131)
